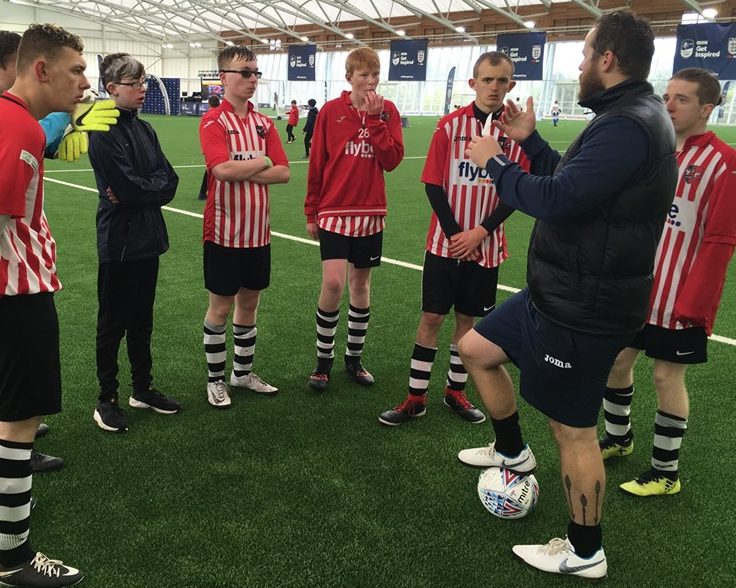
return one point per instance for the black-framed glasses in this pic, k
(134, 85)
(246, 73)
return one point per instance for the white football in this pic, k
(506, 494)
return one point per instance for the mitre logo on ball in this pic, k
(506, 494)
(686, 48)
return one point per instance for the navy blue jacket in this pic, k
(128, 159)
(601, 212)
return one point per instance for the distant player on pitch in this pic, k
(357, 137)
(690, 269)
(464, 249)
(244, 156)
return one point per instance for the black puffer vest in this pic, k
(593, 273)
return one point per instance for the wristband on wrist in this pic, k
(269, 163)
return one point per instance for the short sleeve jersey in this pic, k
(469, 188)
(27, 249)
(237, 214)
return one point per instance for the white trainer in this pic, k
(488, 457)
(559, 557)
(218, 394)
(252, 383)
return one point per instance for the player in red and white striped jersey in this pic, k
(465, 241)
(690, 269)
(244, 156)
(50, 78)
(357, 137)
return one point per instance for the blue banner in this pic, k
(302, 59)
(448, 89)
(526, 50)
(408, 60)
(711, 46)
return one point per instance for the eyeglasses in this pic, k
(246, 73)
(134, 85)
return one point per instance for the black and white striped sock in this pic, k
(215, 351)
(326, 328)
(668, 433)
(422, 359)
(357, 328)
(617, 411)
(15, 502)
(244, 347)
(457, 375)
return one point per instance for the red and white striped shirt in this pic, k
(27, 249)
(470, 190)
(704, 209)
(236, 214)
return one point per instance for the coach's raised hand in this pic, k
(481, 149)
(516, 123)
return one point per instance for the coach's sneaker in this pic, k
(218, 394)
(320, 377)
(110, 417)
(412, 407)
(652, 483)
(613, 448)
(559, 557)
(40, 572)
(40, 462)
(357, 372)
(458, 403)
(488, 457)
(154, 400)
(252, 383)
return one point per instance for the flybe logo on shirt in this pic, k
(470, 174)
(359, 149)
(682, 215)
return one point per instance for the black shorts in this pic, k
(467, 286)
(563, 372)
(362, 252)
(687, 346)
(228, 269)
(30, 369)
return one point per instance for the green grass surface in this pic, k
(306, 489)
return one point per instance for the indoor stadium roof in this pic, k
(179, 20)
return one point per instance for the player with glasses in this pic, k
(135, 85)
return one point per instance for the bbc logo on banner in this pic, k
(710, 46)
(526, 50)
(302, 60)
(408, 60)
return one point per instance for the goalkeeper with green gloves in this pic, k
(66, 134)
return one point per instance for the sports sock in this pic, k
(617, 410)
(585, 539)
(457, 375)
(244, 346)
(15, 502)
(509, 441)
(326, 327)
(357, 328)
(668, 433)
(422, 359)
(215, 351)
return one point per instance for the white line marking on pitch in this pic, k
(414, 266)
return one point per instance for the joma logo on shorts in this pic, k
(557, 362)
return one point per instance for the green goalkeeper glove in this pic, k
(95, 116)
(73, 145)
